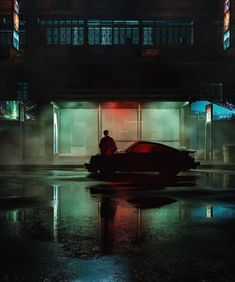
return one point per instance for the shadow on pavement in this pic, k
(138, 181)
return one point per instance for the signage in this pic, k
(150, 52)
(15, 25)
(209, 113)
(227, 24)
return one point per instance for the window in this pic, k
(117, 32)
(144, 148)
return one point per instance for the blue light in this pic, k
(219, 112)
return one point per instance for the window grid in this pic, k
(111, 32)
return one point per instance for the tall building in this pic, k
(72, 68)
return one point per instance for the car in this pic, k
(144, 156)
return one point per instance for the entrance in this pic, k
(82, 124)
(122, 121)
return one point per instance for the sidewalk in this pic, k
(72, 163)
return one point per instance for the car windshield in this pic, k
(130, 148)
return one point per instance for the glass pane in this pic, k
(122, 36)
(116, 36)
(106, 36)
(135, 39)
(154, 127)
(147, 36)
(91, 36)
(79, 131)
(62, 36)
(122, 125)
(97, 36)
(75, 36)
(68, 36)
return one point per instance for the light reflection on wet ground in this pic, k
(71, 226)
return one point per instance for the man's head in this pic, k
(106, 132)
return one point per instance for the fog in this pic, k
(68, 131)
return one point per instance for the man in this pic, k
(107, 144)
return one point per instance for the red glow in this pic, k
(120, 105)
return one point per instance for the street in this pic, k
(69, 225)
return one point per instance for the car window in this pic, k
(144, 148)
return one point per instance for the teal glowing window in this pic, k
(9, 110)
(106, 36)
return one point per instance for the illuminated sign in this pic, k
(15, 25)
(227, 24)
(226, 6)
(227, 21)
(150, 52)
(16, 7)
(16, 22)
(209, 113)
(9, 110)
(16, 40)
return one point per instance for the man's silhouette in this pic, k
(107, 144)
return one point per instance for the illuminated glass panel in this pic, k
(122, 125)
(154, 127)
(122, 36)
(227, 21)
(135, 39)
(147, 36)
(219, 112)
(118, 32)
(78, 130)
(91, 36)
(226, 6)
(106, 36)
(16, 22)
(78, 36)
(97, 35)
(226, 39)
(9, 110)
(128, 32)
(56, 35)
(62, 35)
(68, 36)
(16, 40)
(116, 36)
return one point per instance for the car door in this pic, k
(140, 158)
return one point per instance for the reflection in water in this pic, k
(229, 180)
(55, 211)
(85, 224)
(217, 181)
(117, 227)
(209, 211)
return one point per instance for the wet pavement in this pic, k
(68, 225)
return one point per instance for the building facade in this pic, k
(74, 68)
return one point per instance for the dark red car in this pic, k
(144, 156)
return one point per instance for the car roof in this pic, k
(154, 143)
